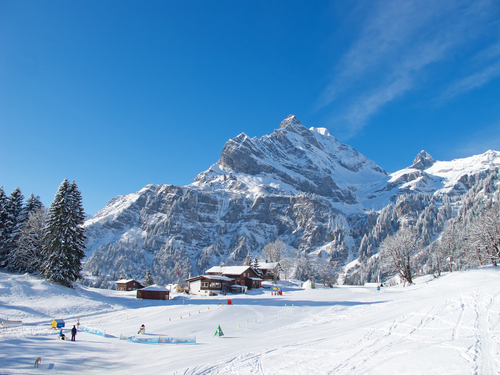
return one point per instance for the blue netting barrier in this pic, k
(160, 340)
(92, 330)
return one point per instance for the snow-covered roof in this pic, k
(268, 266)
(223, 278)
(255, 278)
(123, 281)
(156, 288)
(231, 270)
(211, 277)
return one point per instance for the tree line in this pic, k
(36, 240)
(461, 245)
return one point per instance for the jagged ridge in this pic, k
(297, 184)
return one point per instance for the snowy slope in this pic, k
(454, 177)
(448, 325)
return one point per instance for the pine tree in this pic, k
(3, 223)
(255, 262)
(148, 278)
(15, 217)
(33, 203)
(64, 236)
(248, 260)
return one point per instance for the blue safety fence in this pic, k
(92, 330)
(160, 340)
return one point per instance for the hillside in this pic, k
(447, 325)
(298, 185)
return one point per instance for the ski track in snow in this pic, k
(447, 326)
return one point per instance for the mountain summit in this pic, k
(290, 120)
(293, 159)
(423, 161)
(299, 185)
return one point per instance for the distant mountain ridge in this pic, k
(297, 184)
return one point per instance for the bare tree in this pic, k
(326, 271)
(273, 251)
(485, 235)
(303, 269)
(449, 247)
(288, 262)
(27, 256)
(397, 251)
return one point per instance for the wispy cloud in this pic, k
(400, 40)
(487, 63)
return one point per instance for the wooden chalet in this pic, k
(128, 285)
(153, 292)
(208, 285)
(269, 269)
(241, 275)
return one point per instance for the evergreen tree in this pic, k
(255, 262)
(64, 236)
(14, 218)
(248, 260)
(33, 203)
(3, 223)
(148, 278)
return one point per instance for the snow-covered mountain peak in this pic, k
(290, 120)
(293, 159)
(423, 161)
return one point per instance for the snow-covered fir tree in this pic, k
(248, 260)
(64, 236)
(3, 223)
(13, 219)
(33, 203)
(255, 263)
(148, 278)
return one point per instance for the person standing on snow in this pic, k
(73, 333)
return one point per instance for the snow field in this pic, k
(448, 325)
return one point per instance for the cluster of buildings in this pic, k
(217, 280)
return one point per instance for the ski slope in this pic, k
(448, 325)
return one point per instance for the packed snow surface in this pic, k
(447, 325)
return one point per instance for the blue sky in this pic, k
(120, 94)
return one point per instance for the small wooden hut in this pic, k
(128, 285)
(153, 292)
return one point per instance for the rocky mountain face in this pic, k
(300, 185)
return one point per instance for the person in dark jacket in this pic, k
(73, 333)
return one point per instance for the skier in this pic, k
(62, 336)
(73, 333)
